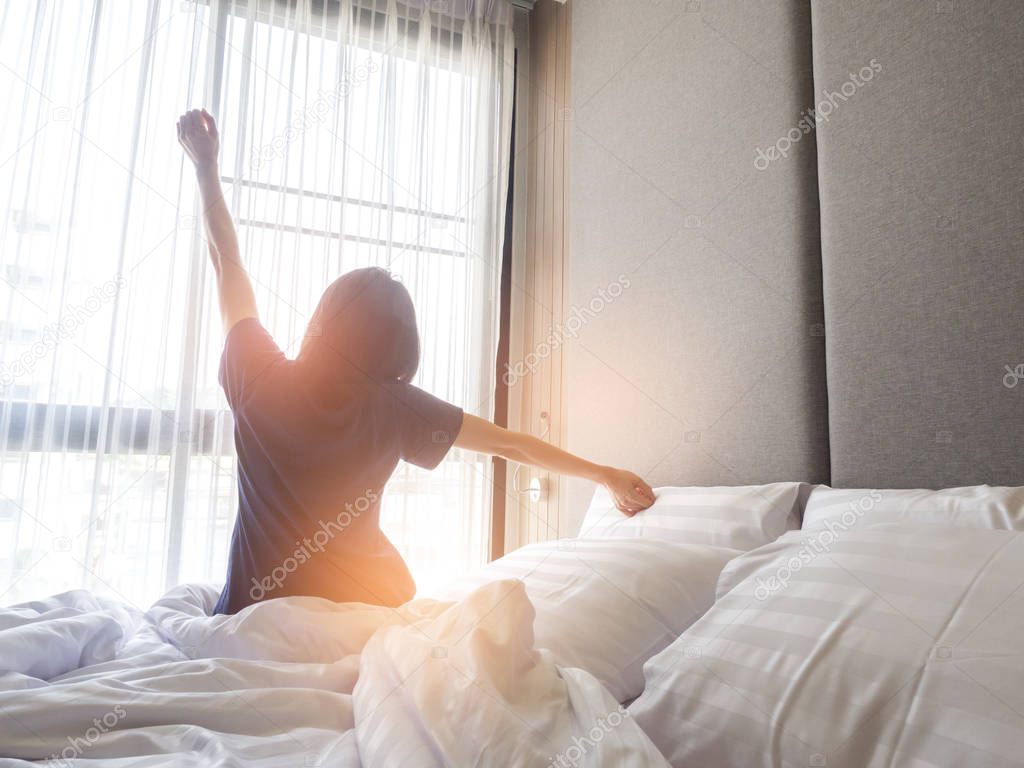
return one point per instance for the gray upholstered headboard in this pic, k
(760, 339)
(921, 179)
(709, 368)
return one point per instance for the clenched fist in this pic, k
(197, 134)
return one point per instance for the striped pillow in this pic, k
(978, 506)
(892, 645)
(608, 606)
(737, 517)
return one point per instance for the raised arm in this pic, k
(197, 134)
(630, 492)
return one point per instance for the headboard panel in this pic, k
(709, 367)
(921, 177)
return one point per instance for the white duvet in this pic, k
(299, 682)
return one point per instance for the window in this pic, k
(349, 138)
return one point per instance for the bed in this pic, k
(775, 625)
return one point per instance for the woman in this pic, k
(318, 437)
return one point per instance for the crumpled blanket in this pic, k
(300, 681)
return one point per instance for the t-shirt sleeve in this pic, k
(249, 353)
(428, 428)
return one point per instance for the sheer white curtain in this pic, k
(353, 133)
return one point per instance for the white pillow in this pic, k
(979, 506)
(894, 645)
(737, 517)
(608, 606)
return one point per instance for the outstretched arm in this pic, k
(630, 492)
(197, 134)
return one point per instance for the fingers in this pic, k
(196, 119)
(629, 505)
(635, 497)
(642, 491)
(211, 124)
(645, 490)
(637, 502)
(184, 125)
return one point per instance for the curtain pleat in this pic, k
(354, 133)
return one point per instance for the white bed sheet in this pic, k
(299, 682)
